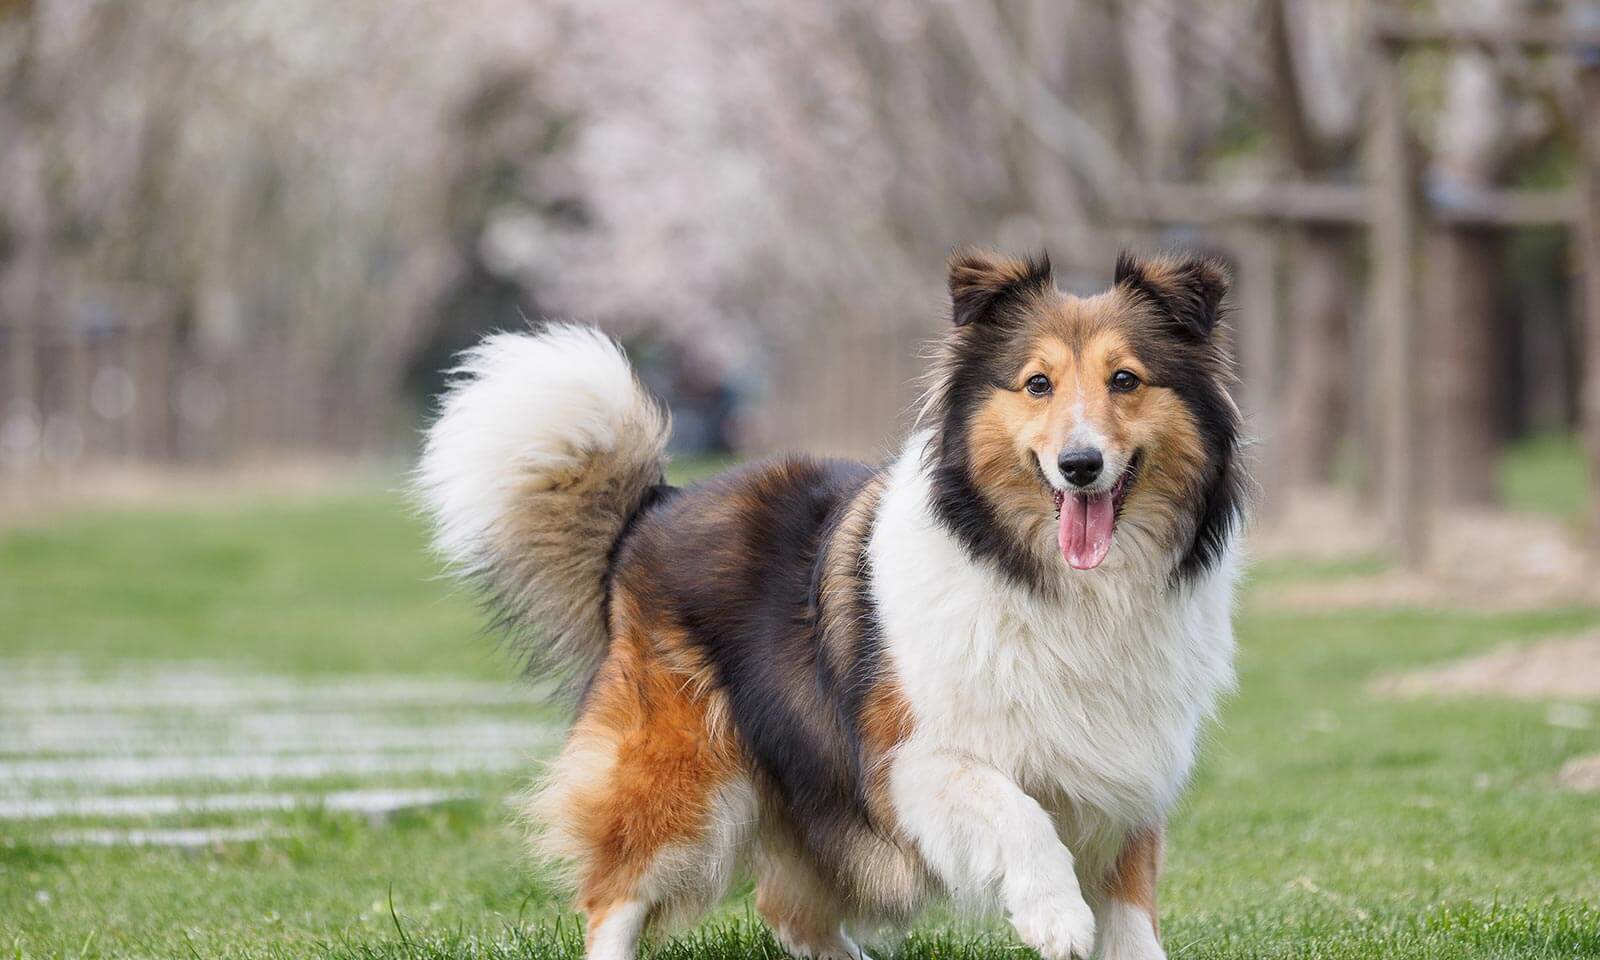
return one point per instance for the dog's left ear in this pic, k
(981, 283)
(1187, 290)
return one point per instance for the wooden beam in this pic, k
(1395, 304)
(1547, 33)
(1332, 203)
(1478, 207)
(1304, 202)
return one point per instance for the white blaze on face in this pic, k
(1087, 520)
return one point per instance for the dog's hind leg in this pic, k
(613, 931)
(649, 801)
(801, 908)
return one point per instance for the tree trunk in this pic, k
(1257, 329)
(1462, 374)
(1589, 251)
(1317, 393)
(1396, 397)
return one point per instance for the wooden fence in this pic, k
(131, 387)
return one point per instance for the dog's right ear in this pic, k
(1188, 290)
(981, 282)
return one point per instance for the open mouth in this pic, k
(1088, 521)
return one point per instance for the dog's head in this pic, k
(1073, 432)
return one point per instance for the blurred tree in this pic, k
(1472, 145)
(269, 169)
(322, 202)
(1313, 53)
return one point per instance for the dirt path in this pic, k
(1481, 560)
(1581, 774)
(1564, 669)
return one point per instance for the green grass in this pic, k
(339, 585)
(1547, 474)
(1323, 823)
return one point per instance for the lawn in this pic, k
(1323, 822)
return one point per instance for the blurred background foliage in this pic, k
(250, 228)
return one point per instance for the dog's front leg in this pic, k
(978, 830)
(1127, 913)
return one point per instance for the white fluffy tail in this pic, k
(545, 446)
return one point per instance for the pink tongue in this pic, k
(1086, 527)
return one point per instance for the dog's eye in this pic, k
(1038, 385)
(1124, 381)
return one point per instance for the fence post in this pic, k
(1256, 338)
(1395, 306)
(1589, 272)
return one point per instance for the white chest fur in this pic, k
(1091, 701)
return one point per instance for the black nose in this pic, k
(1081, 467)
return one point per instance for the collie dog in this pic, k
(977, 673)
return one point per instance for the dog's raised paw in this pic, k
(1060, 927)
